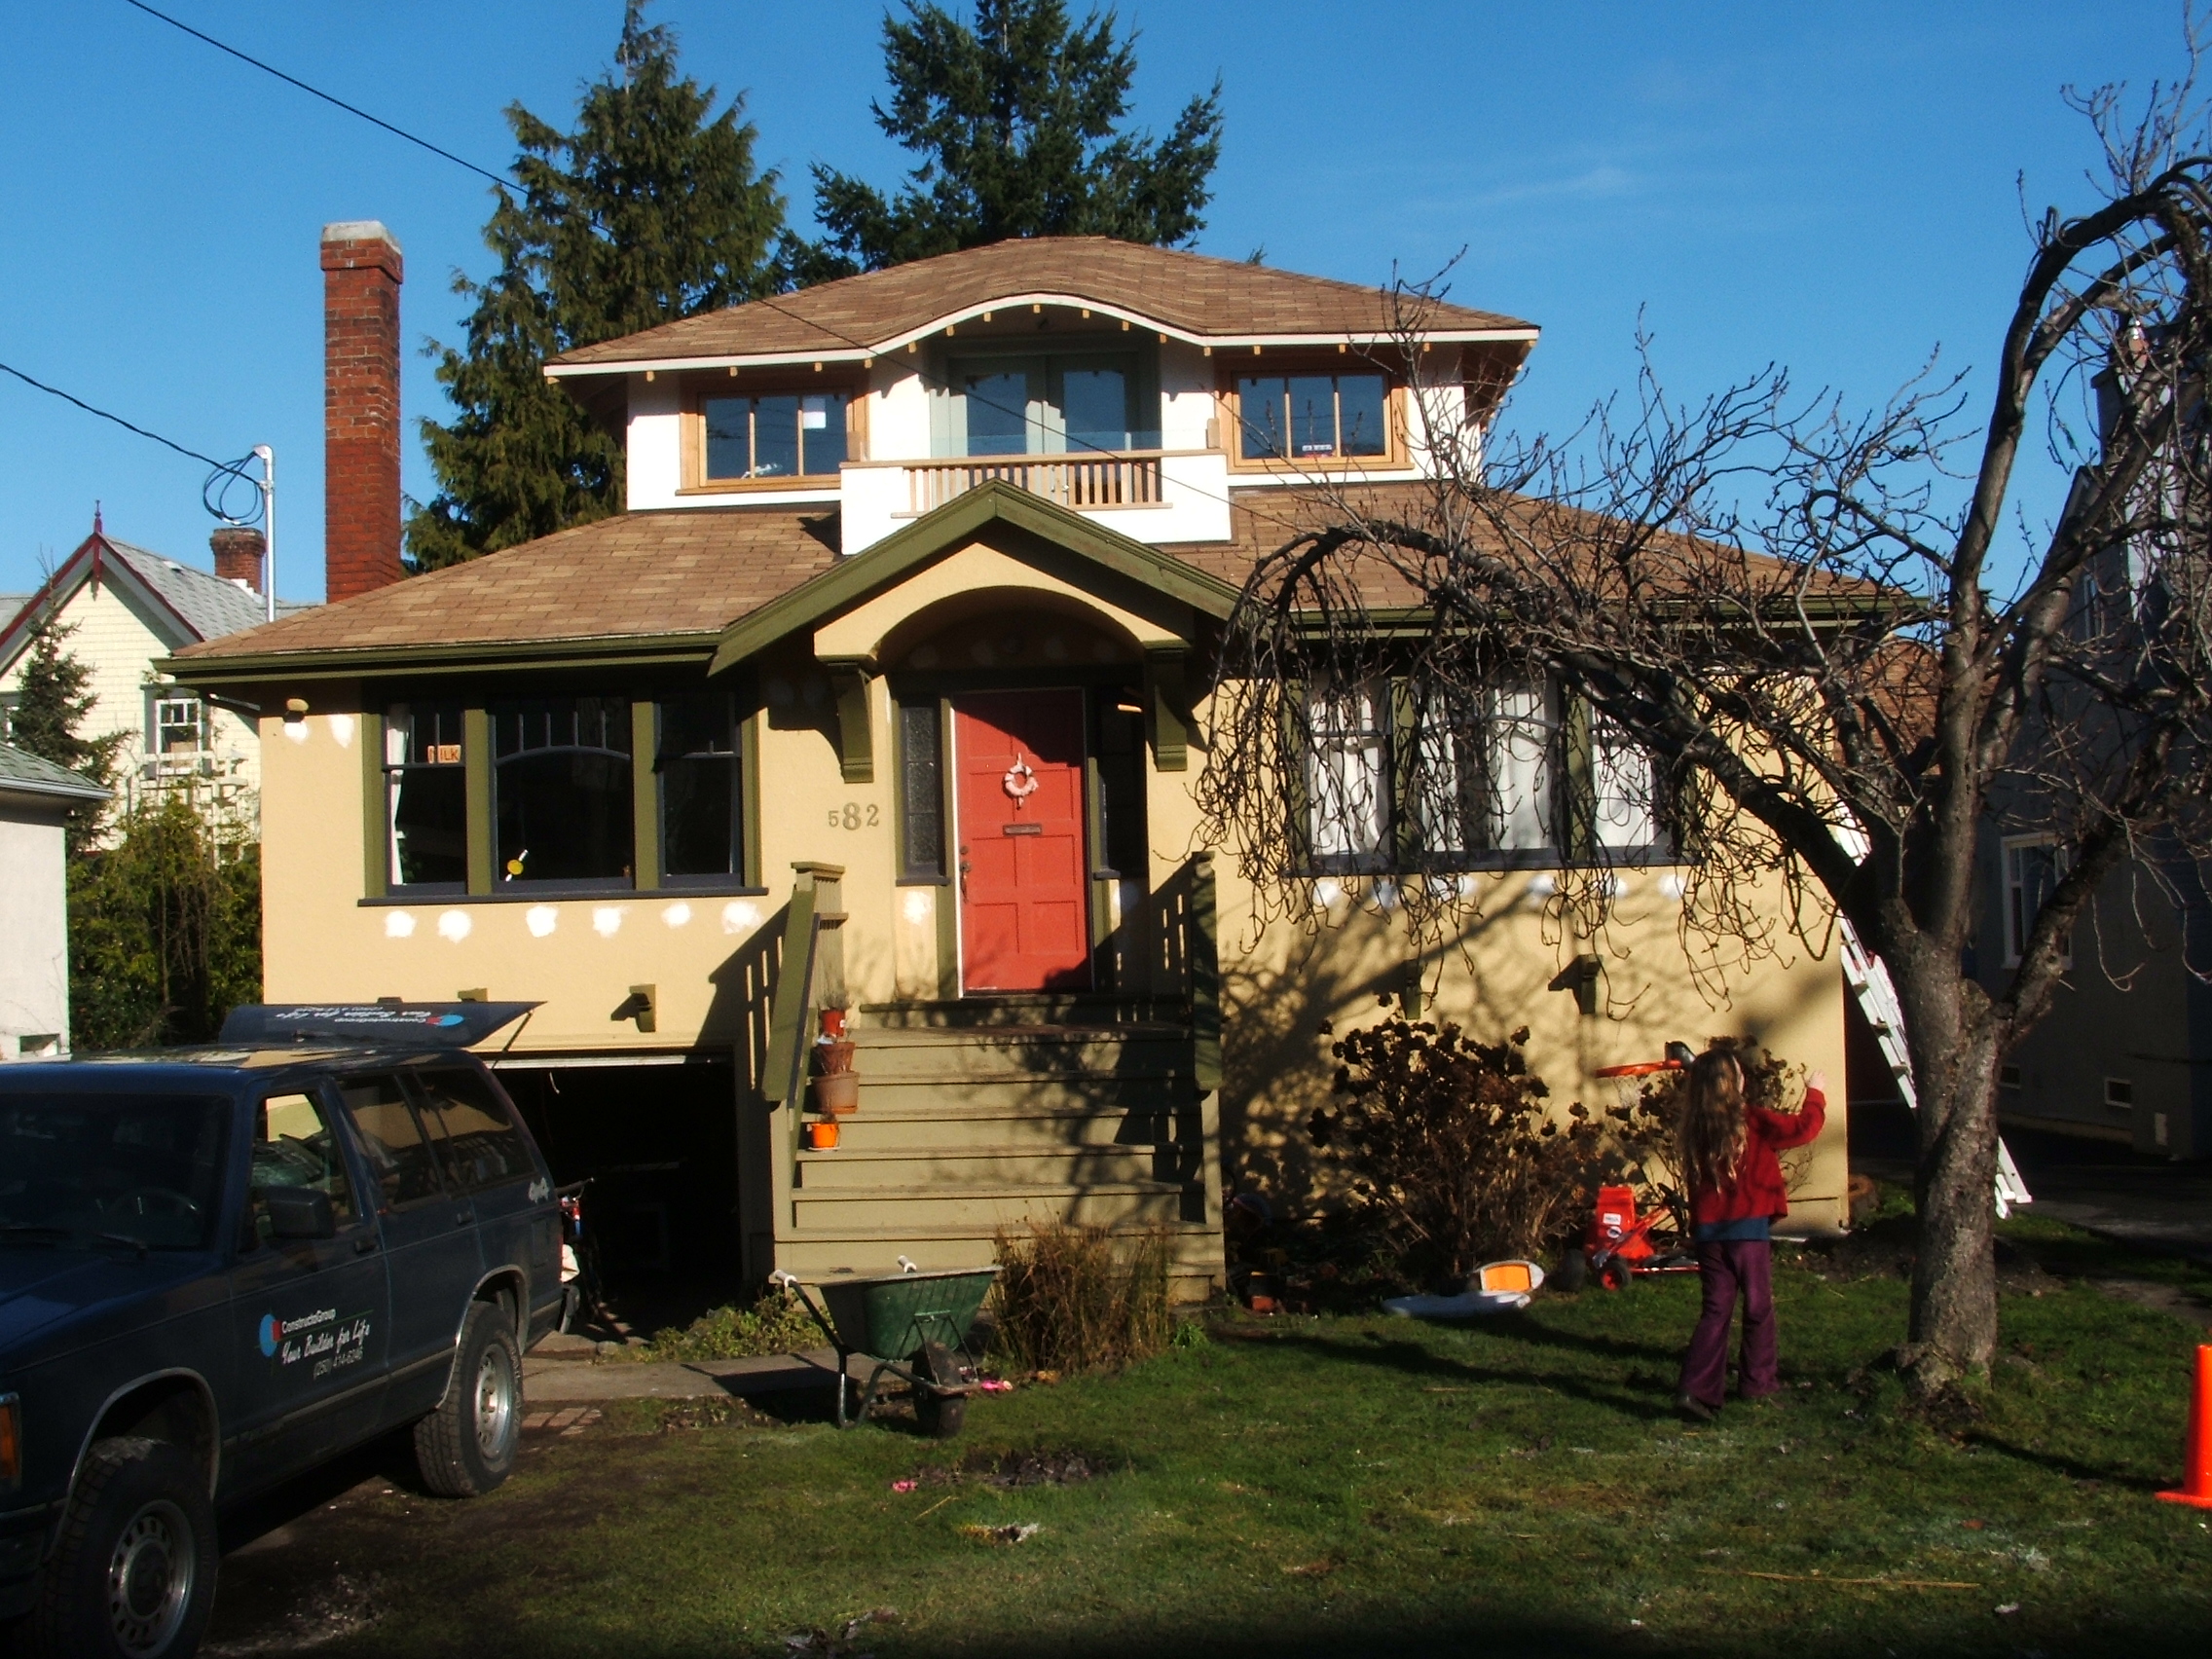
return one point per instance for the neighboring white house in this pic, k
(36, 800)
(130, 607)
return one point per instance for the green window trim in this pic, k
(476, 762)
(645, 794)
(375, 875)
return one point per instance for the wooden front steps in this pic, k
(993, 1113)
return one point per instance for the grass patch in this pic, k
(1368, 1485)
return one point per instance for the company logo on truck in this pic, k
(331, 1341)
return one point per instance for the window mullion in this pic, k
(645, 794)
(476, 765)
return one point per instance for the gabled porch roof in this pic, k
(1017, 522)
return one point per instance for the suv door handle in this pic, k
(463, 1219)
(363, 1245)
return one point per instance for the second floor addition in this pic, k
(1133, 383)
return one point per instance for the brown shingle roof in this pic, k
(635, 576)
(1188, 292)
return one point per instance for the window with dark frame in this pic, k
(561, 788)
(1313, 417)
(426, 794)
(1485, 789)
(780, 435)
(921, 793)
(702, 788)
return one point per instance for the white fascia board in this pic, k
(859, 353)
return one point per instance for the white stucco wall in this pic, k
(34, 934)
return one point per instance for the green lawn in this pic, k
(1366, 1485)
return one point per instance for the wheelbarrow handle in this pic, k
(820, 1315)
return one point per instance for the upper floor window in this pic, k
(561, 779)
(426, 794)
(1059, 404)
(1311, 418)
(701, 790)
(778, 435)
(180, 726)
(2033, 867)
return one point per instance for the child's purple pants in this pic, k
(1729, 1267)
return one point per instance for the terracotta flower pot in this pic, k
(832, 1058)
(833, 1024)
(822, 1136)
(838, 1093)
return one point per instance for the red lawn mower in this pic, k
(1620, 1243)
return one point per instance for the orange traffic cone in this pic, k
(2196, 1485)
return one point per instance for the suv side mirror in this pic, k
(299, 1213)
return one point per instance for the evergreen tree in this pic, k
(650, 211)
(164, 927)
(1017, 123)
(51, 704)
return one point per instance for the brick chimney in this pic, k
(361, 274)
(238, 555)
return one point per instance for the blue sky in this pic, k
(1833, 188)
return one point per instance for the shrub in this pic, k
(774, 1324)
(1066, 1300)
(1455, 1156)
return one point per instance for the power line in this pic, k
(165, 443)
(316, 92)
(502, 179)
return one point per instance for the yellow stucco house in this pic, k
(889, 690)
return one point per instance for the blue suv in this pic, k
(221, 1266)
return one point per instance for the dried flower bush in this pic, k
(1067, 1299)
(1455, 1156)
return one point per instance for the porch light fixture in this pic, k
(295, 707)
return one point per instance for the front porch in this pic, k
(986, 1113)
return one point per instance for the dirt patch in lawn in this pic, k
(1034, 1467)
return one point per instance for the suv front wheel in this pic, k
(132, 1575)
(467, 1446)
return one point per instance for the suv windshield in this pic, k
(105, 1170)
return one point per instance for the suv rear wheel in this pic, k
(466, 1447)
(132, 1575)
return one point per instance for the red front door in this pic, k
(1018, 784)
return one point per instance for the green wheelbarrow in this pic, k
(914, 1326)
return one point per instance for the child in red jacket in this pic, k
(1725, 1146)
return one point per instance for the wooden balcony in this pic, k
(1130, 479)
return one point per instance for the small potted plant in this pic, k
(822, 1134)
(836, 1087)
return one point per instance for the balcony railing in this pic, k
(1077, 482)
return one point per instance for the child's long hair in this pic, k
(1708, 1133)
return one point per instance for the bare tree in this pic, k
(1805, 640)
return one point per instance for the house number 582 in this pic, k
(854, 816)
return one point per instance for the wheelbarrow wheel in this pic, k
(1615, 1275)
(941, 1415)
